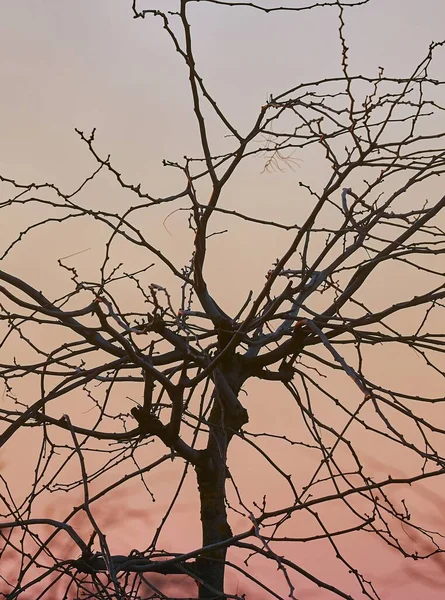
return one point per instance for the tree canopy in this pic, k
(253, 342)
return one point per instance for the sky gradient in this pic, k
(67, 65)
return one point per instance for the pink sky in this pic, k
(65, 65)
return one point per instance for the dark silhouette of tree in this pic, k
(168, 373)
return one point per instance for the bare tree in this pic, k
(166, 376)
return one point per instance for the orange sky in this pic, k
(82, 64)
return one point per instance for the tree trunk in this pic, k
(226, 417)
(215, 528)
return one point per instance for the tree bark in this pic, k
(227, 416)
(215, 527)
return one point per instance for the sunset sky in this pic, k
(85, 65)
